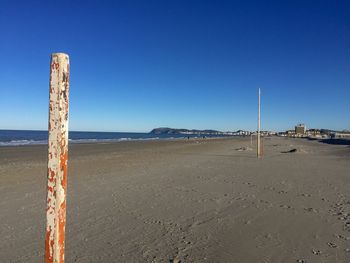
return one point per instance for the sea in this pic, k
(26, 137)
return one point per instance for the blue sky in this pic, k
(136, 65)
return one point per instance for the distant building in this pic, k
(240, 133)
(267, 133)
(290, 132)
(300, 129)
(314, 132)
(342, 134)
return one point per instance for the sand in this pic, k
(184, 201)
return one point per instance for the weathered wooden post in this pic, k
(258, 143)
(57, 159)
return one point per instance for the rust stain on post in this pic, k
(57, 158)
(258, 134)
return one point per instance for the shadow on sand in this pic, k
(290, 151)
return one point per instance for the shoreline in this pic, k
(93, 141)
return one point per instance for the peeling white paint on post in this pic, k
(258, 142)
(57, 158)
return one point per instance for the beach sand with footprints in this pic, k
(208, 200)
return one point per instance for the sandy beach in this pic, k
(184, 201)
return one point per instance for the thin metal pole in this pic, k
(57, 159)
(258, 144)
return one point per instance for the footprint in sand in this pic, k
(310, 209)
(316, 252)
(285, 206)
(306, 195)
(347, 226)
(341, 237)
(344, 216)
(332, 245)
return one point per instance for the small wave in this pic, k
(111, 140)
(22, 142)
(147, 139)
(98, 140)
(124, 139)
(77, 141)
(82, 140)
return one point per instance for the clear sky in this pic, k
(136, 65)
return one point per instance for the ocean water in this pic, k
(23, 137)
